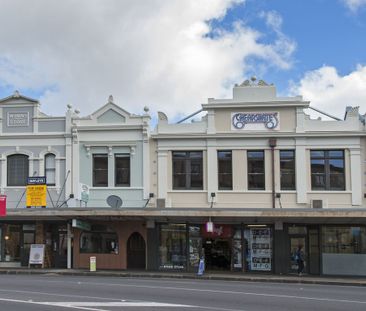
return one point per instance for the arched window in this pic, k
(50, 169)
(18, 169)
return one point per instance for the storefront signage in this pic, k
(2, 205)
(219, 231)
(36, 254)
(261, 249)
(36, 191)
(18, 119)
(209, 226)
(83, 225)
(255, 121)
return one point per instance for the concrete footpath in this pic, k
(225, 276)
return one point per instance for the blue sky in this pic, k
(326, 32)
(173, 55)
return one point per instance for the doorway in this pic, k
(59, 247)
(295, 242)
(217, 254)
(28, 238)
(136, 252)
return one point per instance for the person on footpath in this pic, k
(300, 258)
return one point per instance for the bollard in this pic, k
(93, 264)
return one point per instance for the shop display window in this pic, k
(172, 250)
(195, 246)
(258, 244)
(344, 240)
(99, 241)
(11, 236)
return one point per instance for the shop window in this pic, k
(287, 169)
(256, 177)
(122, 170)
(258, 244)
(344, 240)
(50, 169)
(195, 245)
(18, 169)
(11, 234)
(225, 170)
(187, 170)
(99, 240)
(172, 249)
(327, 170)
(100, 170)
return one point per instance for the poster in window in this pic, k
(261, 249)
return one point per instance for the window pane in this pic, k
(335, 154)
(18, 170)
(122, 170)
(256, 178)
(344, 240)
(287, 169)
(337, 182)
(225, 170)
(317, 154)
(336, 166)
(317, 166)
(99, 242)
(50, 169)
(187, 170)
(256, 182)
(100, 170)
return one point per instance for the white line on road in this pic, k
(226, 292)
(81, 305)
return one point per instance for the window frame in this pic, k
(124, 156)
(94, 170)
(263, 174)
(223, 160)
(102, 235)
(17, 167)
(327, 158)
(188, 160)
(50, 169)
(288, 171)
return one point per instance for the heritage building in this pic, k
(242, 188)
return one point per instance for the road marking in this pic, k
(228, 292)
(81, 305)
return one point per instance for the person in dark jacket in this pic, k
(300, 258)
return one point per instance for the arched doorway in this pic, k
(136, 252)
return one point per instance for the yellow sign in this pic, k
(36, 195)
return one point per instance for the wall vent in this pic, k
(317, 203)
(160, 203)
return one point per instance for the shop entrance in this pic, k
(28, 238)
(136, 252)
(217, 254)
(295, 242)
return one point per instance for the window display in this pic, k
(195, 246)
(259, 249)
(173, 246)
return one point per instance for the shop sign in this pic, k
(36, 191)
(36, 254)
(83, 225)
(209, 226)
(18, 119)
(254, 121)
(84, 192)
(219, 231)
(2, 205)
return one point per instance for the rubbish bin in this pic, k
(93, 264)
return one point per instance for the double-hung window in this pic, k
(18, 169)
(287, 169)
(122, 170)
(256, 177)
(50, 169)
(100, 170)
(327, 170)
(187, 170)
(225, 170)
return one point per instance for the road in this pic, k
(56, 292)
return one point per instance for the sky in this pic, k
(172, 55)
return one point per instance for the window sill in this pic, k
(331, 191)
(187, 190)
(116, 188)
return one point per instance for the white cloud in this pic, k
(331, 92)
(354, 5)
(155, 53)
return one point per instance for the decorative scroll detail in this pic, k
(269, 119)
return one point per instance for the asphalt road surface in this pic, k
(54, 292)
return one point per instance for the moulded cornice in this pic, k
(272, 104)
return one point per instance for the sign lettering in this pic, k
(268, 119)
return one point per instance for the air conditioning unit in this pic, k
(160, 203)
(318, 203)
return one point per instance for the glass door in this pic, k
(295, 242)
(28, 238)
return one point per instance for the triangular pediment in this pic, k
(17, 98)
(111, 113)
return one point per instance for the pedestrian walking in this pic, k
(300, 258)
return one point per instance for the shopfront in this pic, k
(225, 248)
